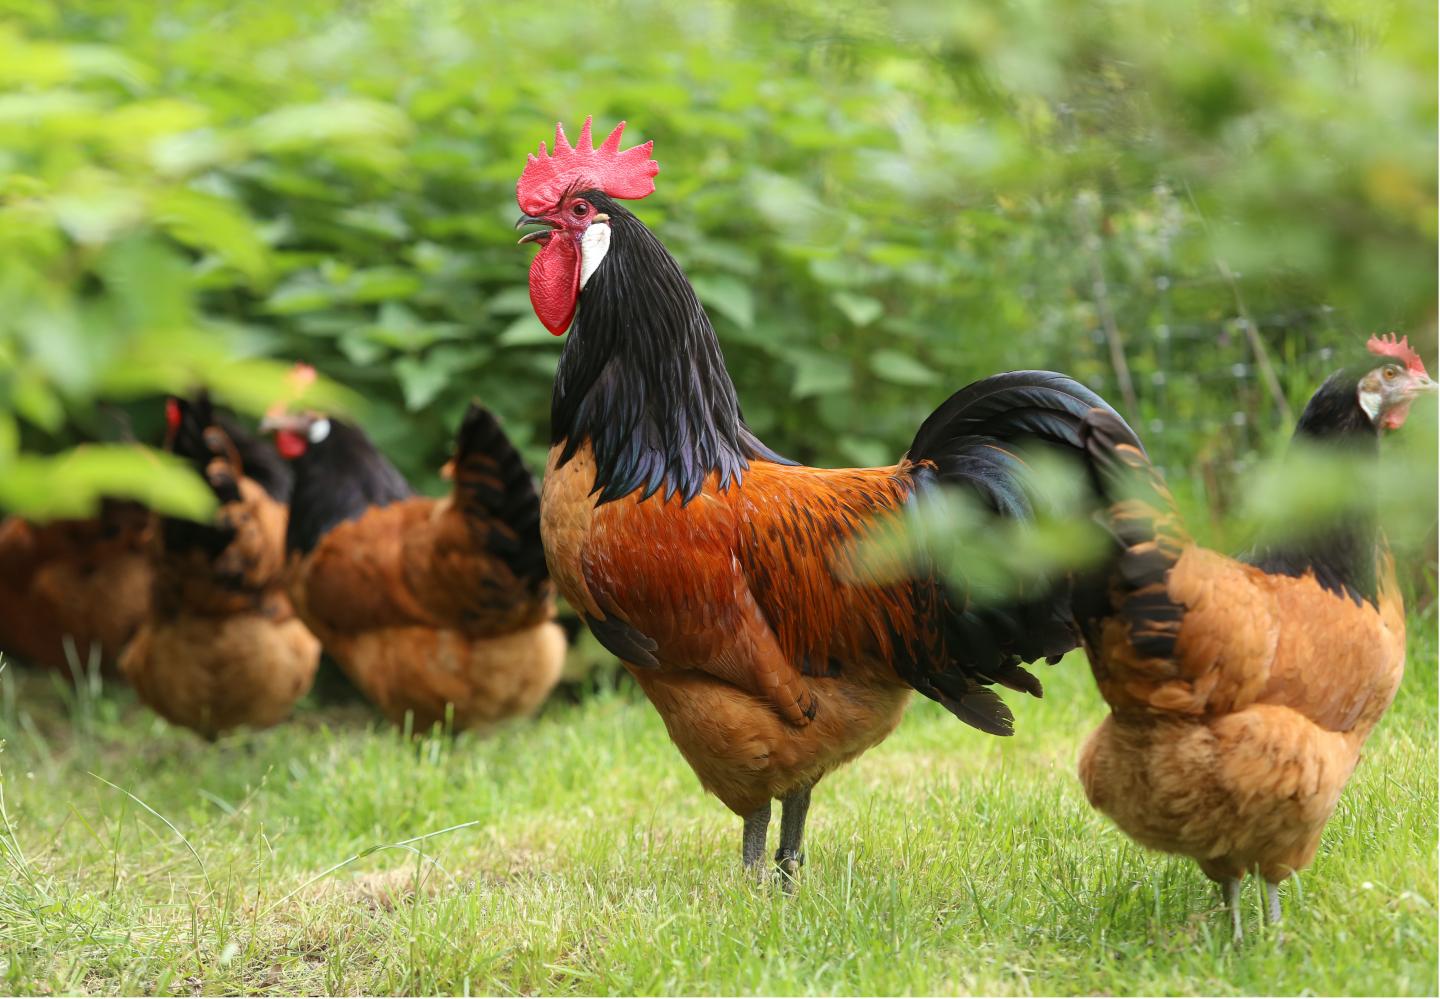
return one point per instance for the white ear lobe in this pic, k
(319, 430)
(1370, 401)
(593, 247)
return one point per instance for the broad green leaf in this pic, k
(420, 379)
(902, 369)
(818, 374)
(861, 310)
(381, 284)
(211, 223)
(72, 484)
(525, 331)
(313, 126)
(727, 295)
(304, 294)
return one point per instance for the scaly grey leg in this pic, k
(1231, 888)
(1272, 897)
(752, 847)
(790, 857)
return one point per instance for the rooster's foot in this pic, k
(787, 865)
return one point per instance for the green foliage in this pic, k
(1195, 209)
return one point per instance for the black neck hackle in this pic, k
(1342, 553)
(642, 378)
(338, 479)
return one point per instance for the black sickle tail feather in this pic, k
(1140, 514)
(496, 491)
(975, 441)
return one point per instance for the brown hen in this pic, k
(1242, 691)
(222, 647)
(437, 609)
(72, 592)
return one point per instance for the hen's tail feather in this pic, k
(193, 438)
(494, 489)
(976, 441)
(188, 439)
(222, 452)
(1150, 538)
(189, 418)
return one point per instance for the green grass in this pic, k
(577, 854)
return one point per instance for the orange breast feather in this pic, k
(749, 584)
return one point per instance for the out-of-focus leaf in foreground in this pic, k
(989, 558)
(1312, 489)
(72, 484)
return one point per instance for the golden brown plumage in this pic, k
(70, 589)
(436, 608)
(222, 647)
(1235, 749)
(1241, 694)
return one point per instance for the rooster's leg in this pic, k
(752, 848)
(1231, 888)
(790, 858)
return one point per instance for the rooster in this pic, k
(721, 573)
(1242, 691)
(222, 646)
(436, 609)
(72, 592)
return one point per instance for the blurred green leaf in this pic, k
(902, 369)
(817, 374)
(210, 223)
(861, 310)
(348, 120)
(72, 484)
(420, 380)
(729, 296)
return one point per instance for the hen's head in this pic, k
(554, 191)
(295, 431)
(1386, 392)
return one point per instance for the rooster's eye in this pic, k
(579, 209)
(1391, 372)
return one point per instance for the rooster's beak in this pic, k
(539, 234)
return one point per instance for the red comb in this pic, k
(1388, 346)
(301, 377)
(548, 177)
(172, 414)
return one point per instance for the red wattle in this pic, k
(290, 444)
(555, 282)
(1395, 419)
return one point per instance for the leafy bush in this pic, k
(1194, 208)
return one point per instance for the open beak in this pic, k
(539, 235)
